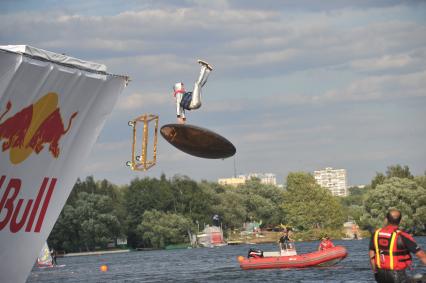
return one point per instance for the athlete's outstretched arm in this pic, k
(180, 112)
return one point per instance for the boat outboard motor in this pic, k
(255, 253)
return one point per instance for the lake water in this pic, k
(208, 265)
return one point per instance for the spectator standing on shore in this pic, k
(390, 250)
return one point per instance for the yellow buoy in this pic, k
(104, 268)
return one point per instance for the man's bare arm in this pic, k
(422, 256)
(372, 256)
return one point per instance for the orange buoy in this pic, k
(104, 268)
(240, 258)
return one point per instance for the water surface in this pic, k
(208, 265)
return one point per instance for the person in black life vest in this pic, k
(390, 250)
(285, 240)
(53, 254)
(216, 220)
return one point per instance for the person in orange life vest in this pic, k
(326, 243)
(390, 250)
(186, 100)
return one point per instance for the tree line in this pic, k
(152, 212)
(396, 188)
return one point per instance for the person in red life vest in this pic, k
(187, 100)
(326, 243)
(390, 250)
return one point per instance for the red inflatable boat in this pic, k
(319, 258)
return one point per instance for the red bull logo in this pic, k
(24, 213)
(32, 128)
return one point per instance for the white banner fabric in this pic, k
(51, 114)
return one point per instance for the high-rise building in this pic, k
(332, 179)
(265, 178)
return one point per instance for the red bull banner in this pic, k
(52, 109)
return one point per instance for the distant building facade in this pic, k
(333, 179)
(231, 181)
(265, 178)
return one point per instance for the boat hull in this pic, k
(319, 258)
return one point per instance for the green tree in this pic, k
(399, 172)
(98, 225)
(262, 202)
(354, 203)
(419, 217)
(66, 232)
(141, 195)
(309, 206)
(356, 197)
(391, 171)
(378, 180)
(192, 199)
(401, 193)
(230, 207)
(421, 180)
(89, 219)
(159, 229)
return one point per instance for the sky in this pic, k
(296, 86)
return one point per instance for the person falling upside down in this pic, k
(187, 100)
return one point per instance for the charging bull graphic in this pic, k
(33, 127)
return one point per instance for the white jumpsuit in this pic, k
(196, 94)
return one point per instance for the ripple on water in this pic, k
(207, 265)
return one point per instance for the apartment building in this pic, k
(265, 178)
(333, 179)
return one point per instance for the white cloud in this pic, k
(277, 59)
(231, 105)
(381, 87)
(111, 146)
(278, 132)
(402, 62)
(142, 100)
(262, 39)
(383, 63)
(100, 167)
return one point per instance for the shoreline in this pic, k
(95, 253)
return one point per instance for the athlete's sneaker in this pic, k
(205, 64)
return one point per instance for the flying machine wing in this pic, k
(198, 141)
